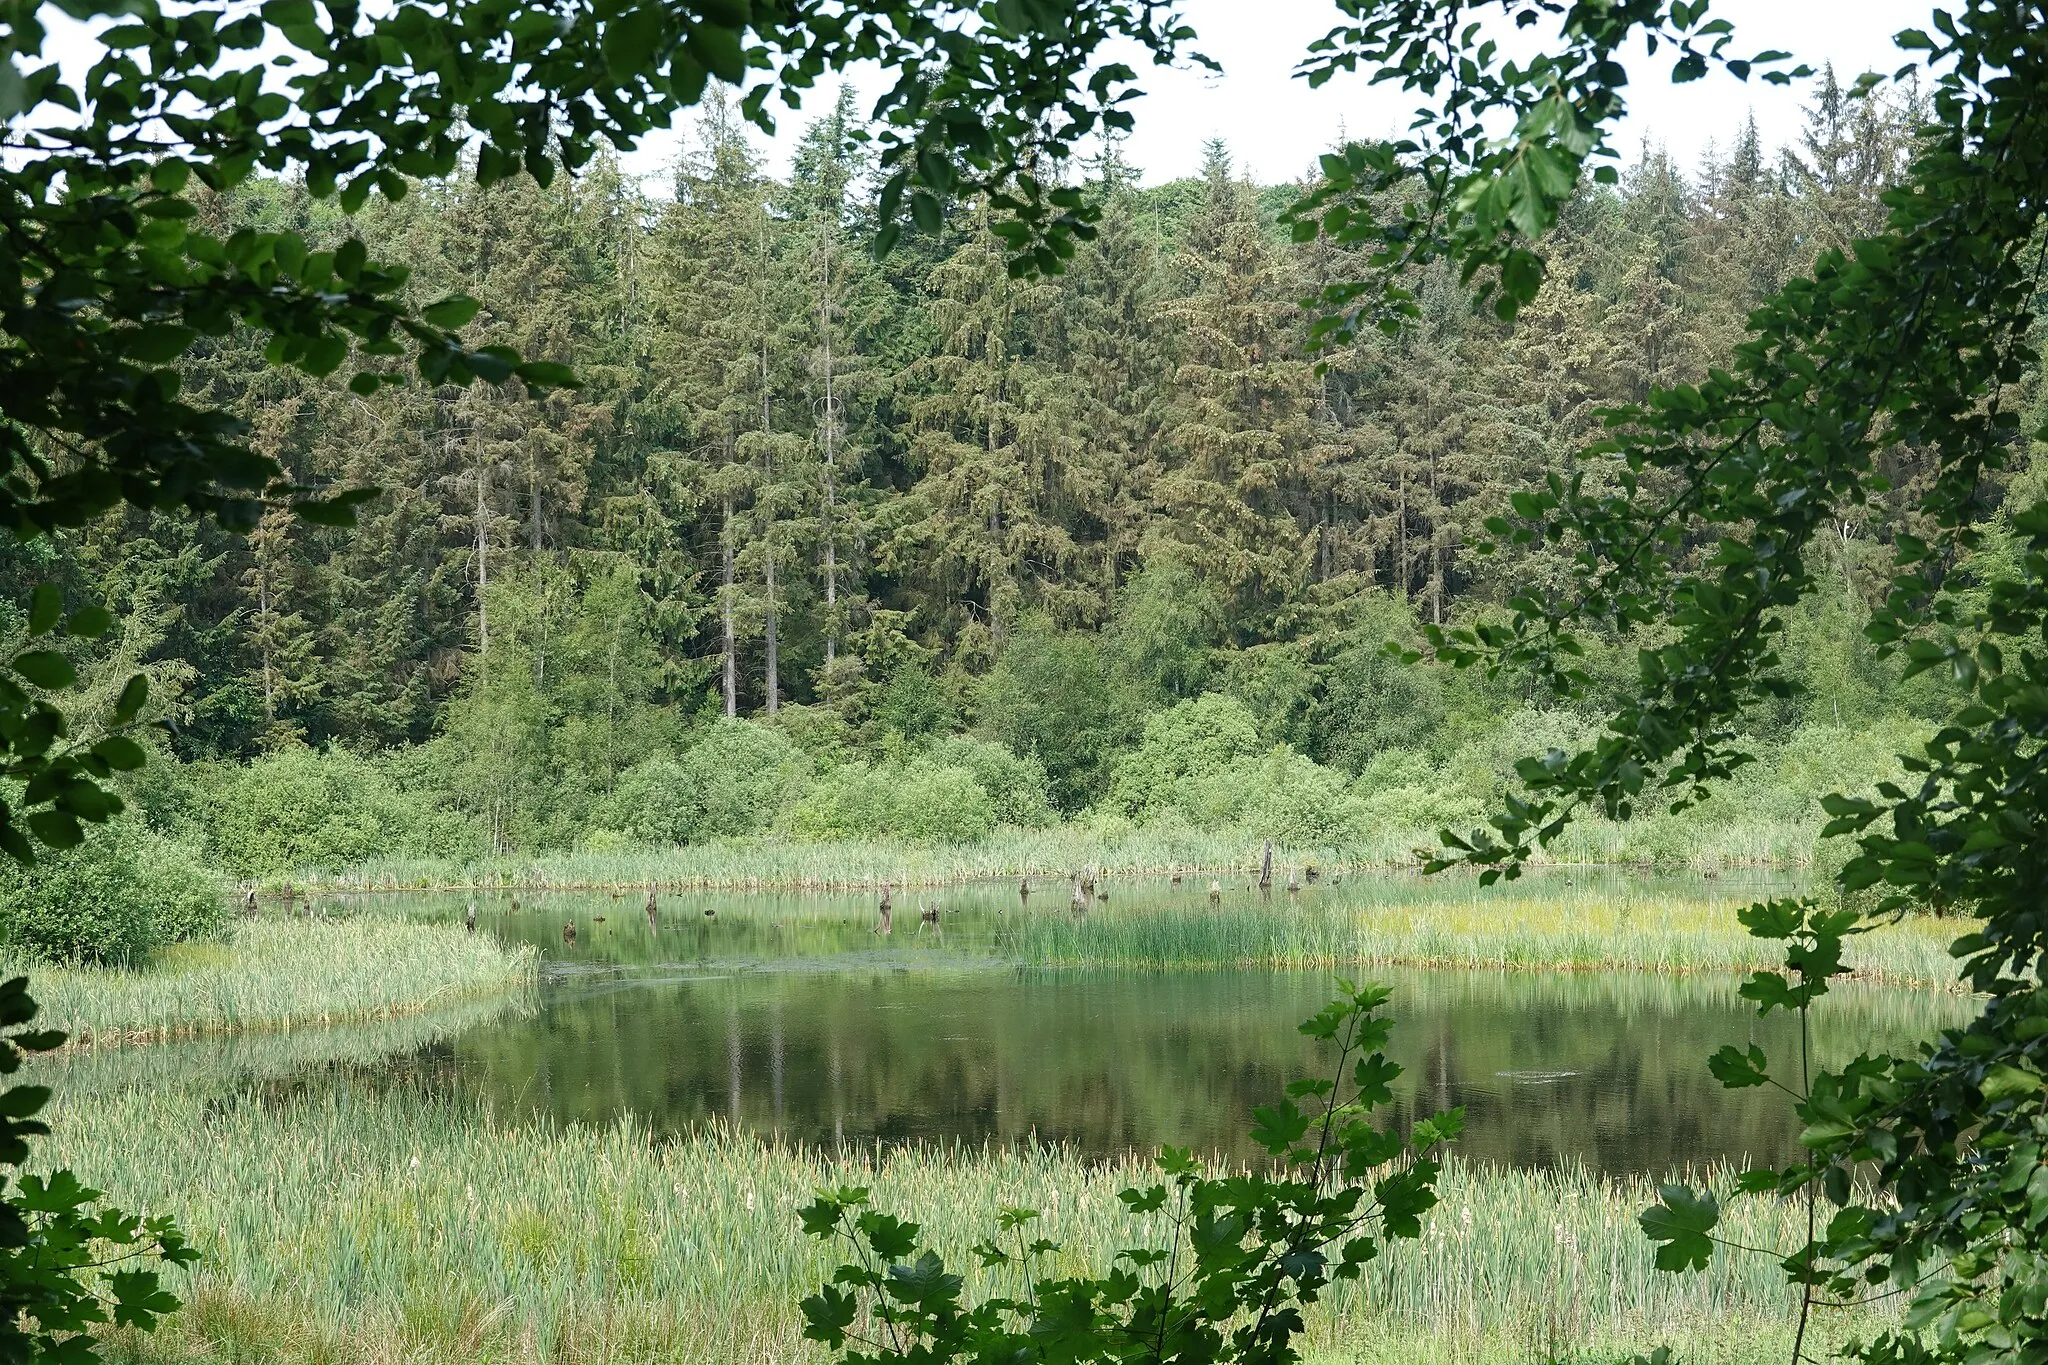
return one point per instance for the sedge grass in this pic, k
(1596, 928)
(268, 974)
(1117, 849)
(385, 1224)
(783, 864)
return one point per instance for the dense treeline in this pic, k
(961, 550)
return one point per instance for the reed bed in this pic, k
(774, 863)
(268, 974)
(1556, 929)
(780, 864)
(384, 1224)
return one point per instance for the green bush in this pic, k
(1016, 787)
(735, 779)
(1199, 739)
(1291, 798)
(1053, 698)
(940, 805)
(111, 900)
(654, 805)
(921, 799)
(846, 802)
(307, 808)
(742, 775)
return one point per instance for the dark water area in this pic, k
(792, 1017)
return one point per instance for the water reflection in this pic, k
(1550, 1068)
(795, 1016)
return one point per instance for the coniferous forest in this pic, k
(949, 548)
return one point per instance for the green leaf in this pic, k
(56, 828)
(1680, 1223)
(628, 45)
(89, 622)
(45, 608)
(121, 753)
(134, 693)
(46, 668)
(2004, 1082)
(451, 313)
(339, 510)
(1276, 1127)
(157, 344)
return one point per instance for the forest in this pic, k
(831, 546)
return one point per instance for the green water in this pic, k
(795, 1017)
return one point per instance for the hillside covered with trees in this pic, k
(838, 547)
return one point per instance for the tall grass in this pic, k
(375, 1225)
(1556, 928)
(268, 974)
(779, 863)
(783, 864)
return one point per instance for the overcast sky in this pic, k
(1275, 125)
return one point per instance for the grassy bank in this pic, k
(392, 1224)
(272, 975)
(1117, 849)
(780, 864)
(1559, 928)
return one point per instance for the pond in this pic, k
(793, 1018)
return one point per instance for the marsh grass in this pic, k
(1595, 928)
(780, 864)
(1117, 849)
(270, 974)
(380, 1224)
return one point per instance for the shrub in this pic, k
(1400, 789)
(1292, 798)
(655, 803)
(1052, 698)
(1201, 738)
(307, 808)
(847, 802)
(1016, 787)
(735, 778)
(1167, 622)
(940, 805)
(922, 799)
(742, 775)
(111, 900)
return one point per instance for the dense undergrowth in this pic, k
(803, 799)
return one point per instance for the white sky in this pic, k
(1275, 125)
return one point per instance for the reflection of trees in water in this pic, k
(264, 1060)
(1607, 1070)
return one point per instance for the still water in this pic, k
(793, 1017)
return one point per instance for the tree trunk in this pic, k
(483, 565)
(772, 681)
(725, 613)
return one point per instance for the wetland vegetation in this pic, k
(609, 1167)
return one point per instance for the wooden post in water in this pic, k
(1266, 868)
